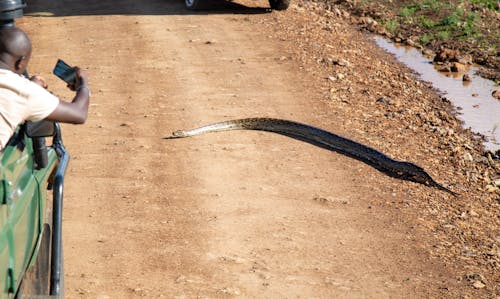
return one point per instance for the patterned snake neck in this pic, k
(397, 169)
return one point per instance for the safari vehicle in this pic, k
(30, 221)
(275, 4)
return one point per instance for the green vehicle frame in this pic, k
(31, 264)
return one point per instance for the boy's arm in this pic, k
(74, 112)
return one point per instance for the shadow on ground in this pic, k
(51, 8)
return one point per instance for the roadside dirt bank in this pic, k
(382, 104)
(248, 214)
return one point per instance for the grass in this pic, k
(406, 12)
(470, 26)
(443, 35)
(426, 38)
(431, 4)
(426, 22)
(392, 26)
(437, 20)
(489, 4)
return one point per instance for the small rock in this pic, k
(457, 67)
(328, 59)
(491, 189)
(443, 68)
(444, 55)
(466, 78)
(475, 276)
(478, 285)
(384, 100)
(230, 291)
(410, 42)
(428, 52)
(465, 59)
(468, 157)
(180, 279)
(367, 21)
(381, 31)
(342, 62)
(496, 94)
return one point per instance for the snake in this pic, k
(397, 169)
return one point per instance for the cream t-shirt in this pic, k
(21, 100)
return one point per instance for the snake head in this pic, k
(176, 134)
(417, 174)
(179, 134)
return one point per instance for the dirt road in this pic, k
(233, 214)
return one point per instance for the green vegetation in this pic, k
(424, 39)
(431, 20)
(431, 4)
(457, 23)
(470, 26)
(427, 23)
(489, 4)
(406, 12)
(391, 26)
(443, 35)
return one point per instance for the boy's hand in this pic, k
(81, 79)
(39, 80)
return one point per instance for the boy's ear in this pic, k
(19, 63)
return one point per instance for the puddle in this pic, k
(476, 106)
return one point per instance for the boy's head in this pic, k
(15, 49)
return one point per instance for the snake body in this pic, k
(394, 168)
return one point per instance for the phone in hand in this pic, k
(65, 72)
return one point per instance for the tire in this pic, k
(192, 4)
(36, 280)
(279, 4)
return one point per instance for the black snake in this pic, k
(397, 169)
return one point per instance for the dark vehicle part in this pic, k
(192, 4)
(43, 128)
(37, 131)
(56, 270)
(279, 4)
(275, 4)
(10, 10)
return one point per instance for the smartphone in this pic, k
(65, 72)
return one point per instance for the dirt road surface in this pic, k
(235, 214)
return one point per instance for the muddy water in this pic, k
(476, 106)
